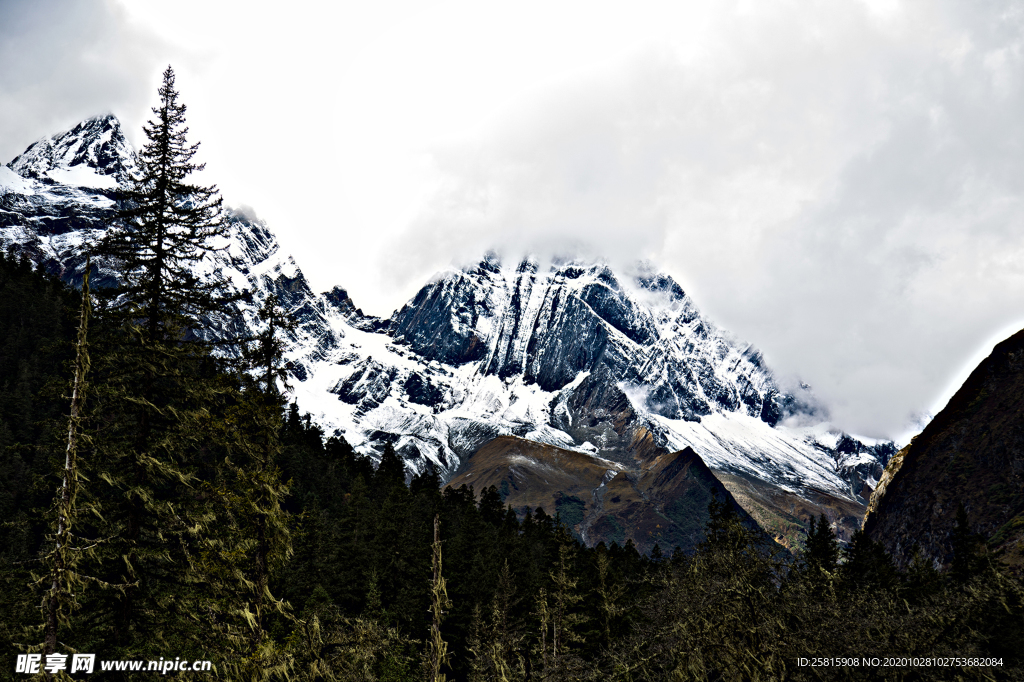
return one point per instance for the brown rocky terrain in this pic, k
(784, 515)
(664, 502)
(599, 412)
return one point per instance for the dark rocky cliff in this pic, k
(971, 453)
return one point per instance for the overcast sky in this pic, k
(839, 183)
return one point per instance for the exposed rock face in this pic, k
(570, 354)
(665, 503)
(548, 327)
(862, 464)
(972, 453)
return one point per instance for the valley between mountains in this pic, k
(604, 397)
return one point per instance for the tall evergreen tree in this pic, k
(867, 564)
(61, 561)
(158, 387)
(436, 654)
(389, 474)
(495, 643)
(254, 538)
(608, 596)
(562, 613)
(822, 551)
(165, 226)
(272, 538)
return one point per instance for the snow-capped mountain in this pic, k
(93, 154)
(569, 353)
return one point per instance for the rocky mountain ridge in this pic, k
(568, 353)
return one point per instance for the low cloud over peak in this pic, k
(839, 186)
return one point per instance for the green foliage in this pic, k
(253, 538)
(821, 554)
(866, 565)
(570, 509)
(561, 617)
(715, 616)
(609, 595)
(390, 472)
(326, 645)
(495, 644)
(38, 315)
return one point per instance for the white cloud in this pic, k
(839, 183)
(840, 186)
(66, 60)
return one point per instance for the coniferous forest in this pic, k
(160, 498)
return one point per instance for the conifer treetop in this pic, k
(166, 224)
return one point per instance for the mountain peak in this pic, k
(93, 153)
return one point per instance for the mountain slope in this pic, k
(626, 368)
(666, 502)
(972, 453)
(549, 326)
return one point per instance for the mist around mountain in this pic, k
(528, 384)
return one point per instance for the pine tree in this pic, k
(543, 614)
(728, 610)
(165, 226)
(822, 551)
(609, 596)
(436, 654)
(328, 646)
(922, 578)
(158, 388)
(389, 474)
(495, 643)
(491, 509)
(59, 600)
(564, 614)
(867, 564)
(254, 539)
(273, 542)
